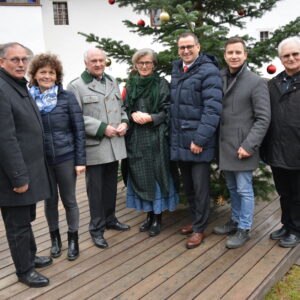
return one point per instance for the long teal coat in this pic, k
(147, 146)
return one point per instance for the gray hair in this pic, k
(86, 53)
(292, 39)
(143, 52)
(5, 47)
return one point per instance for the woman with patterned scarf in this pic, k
(150, 187)
(64, 134)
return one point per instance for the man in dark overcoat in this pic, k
(196, 93)
(23, 172)
(281, 147)
(244, 122)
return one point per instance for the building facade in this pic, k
(53, 26)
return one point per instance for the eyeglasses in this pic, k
(287, 56)
(188, 47)
(147, 64)
(17, 60)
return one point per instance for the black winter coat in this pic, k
(195, 109)
(22, 159)
(64, 128)
(281, 146)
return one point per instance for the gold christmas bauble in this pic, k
(108, 62)
(164, 16)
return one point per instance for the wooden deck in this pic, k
(136, 266)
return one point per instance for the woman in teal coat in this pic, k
(149, 184)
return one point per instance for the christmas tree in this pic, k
(210, 20)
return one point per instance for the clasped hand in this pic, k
(141, 117)
(110, 131)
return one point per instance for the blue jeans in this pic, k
(242, 197)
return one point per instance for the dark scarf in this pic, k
(144, 87)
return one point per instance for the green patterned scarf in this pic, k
(144, 87)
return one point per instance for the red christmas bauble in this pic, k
(111, 2)
(241, 12)
(271, 69)
(141, 22)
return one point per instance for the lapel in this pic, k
(233, 82)
(104, 87)
(109, 86)
(97, 86)
(24, 94)
(36, 110)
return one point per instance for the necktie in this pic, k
(185, 68)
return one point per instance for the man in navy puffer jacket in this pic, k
(196, 93)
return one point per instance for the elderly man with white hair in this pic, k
(106, 123)
(281, 148)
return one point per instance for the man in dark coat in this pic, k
(244, 123)
(23, 172)
(281, 147)
(196, 93)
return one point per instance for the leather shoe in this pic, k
(194, 240)
(187, 229)
(155, 226)
(289, 241)
(42, 261)
(100, 242)
(279, 234)
(34, 279)
(118, 226)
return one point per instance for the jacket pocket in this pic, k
(188, 129)
(91, 141)
(91, 106)
(90, 99)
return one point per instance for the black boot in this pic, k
(147, 224)
(73, 247)
(55, 250)
(155, 227)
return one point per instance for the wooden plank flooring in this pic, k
(136, 266)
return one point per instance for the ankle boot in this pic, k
(146, 225)
(55, 250)
(73, 247)
(155, 226)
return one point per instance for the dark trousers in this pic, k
(195, 178)
(63, 177)
(287, 183)
(101, 182)
(20, 236)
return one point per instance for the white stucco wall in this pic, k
(22, 24)
(92, 16)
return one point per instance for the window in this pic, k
(60, 11)
(154, 17)
(20, 2)
(264, 36)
